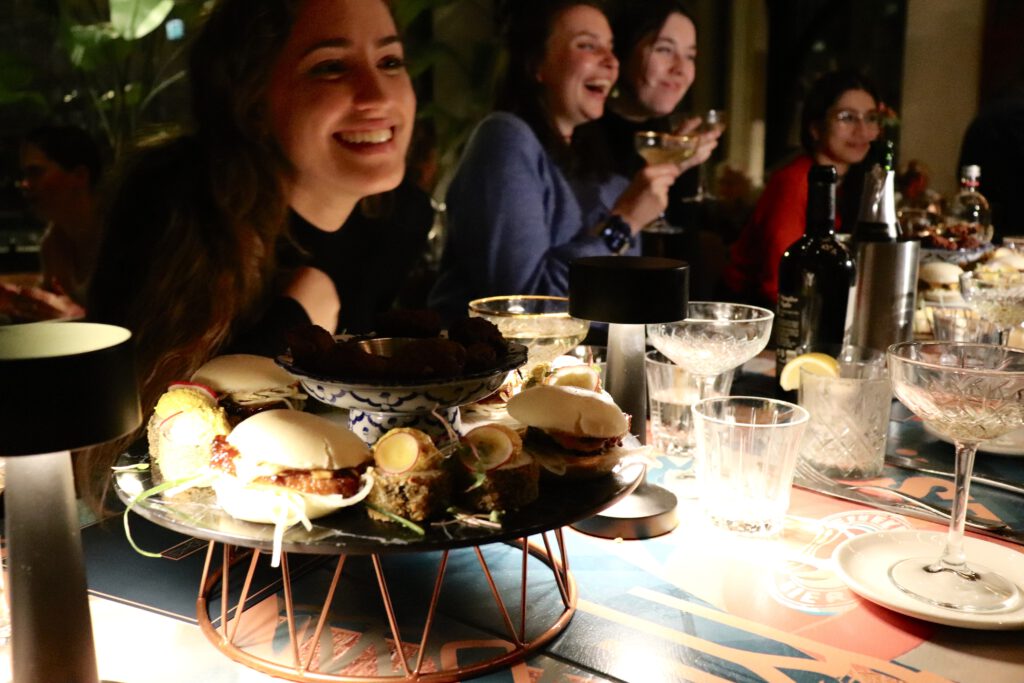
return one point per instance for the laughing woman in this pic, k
(518, 213)
(301, 108)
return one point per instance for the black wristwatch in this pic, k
(617, 234)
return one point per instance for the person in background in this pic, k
(518, 210)
(61, 168)
(376, 258)
(656, 44)
(995, 142)
(301, 108)
(839, 121)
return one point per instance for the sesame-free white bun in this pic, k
(938, 273)
(277, 440)
(266, 504)
(568, 409)
(242, 373)
(289, 439)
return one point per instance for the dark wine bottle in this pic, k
(815, 277)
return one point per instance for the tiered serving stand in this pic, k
(521, 622)
(536, 530)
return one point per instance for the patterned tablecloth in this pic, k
(694, 605)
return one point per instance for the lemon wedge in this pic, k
(817, 363)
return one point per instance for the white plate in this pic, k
(1008, 444)
(863, 563)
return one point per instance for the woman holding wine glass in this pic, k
(656, 43)
(518, 209)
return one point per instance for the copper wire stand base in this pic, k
(292, 666)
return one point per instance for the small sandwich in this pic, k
(500, 476)
(246, 384)
(181, 430)
(414, 479)
(940, 282)
(572, 431)
(285, 466)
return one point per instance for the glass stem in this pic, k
(706, 386)
(953, 556)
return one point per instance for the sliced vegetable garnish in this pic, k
(413, 526)
(183, 484)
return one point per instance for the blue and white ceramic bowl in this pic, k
(374, 408)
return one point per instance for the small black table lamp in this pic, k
(65, 385)
(628, 292)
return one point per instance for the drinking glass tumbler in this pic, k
(746, 454)
(671, 392)
(849, 421)
(963, 325)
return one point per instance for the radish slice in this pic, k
(491, 446)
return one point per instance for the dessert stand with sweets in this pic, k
(525, 627)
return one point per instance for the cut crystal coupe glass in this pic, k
(969, 393)
(714, 338)
(997, 297)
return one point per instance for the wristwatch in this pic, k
(617, 234)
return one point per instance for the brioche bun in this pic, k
(570, 410)
(276, 441)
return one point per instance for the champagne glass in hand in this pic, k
(664, 148)
(968, 393)
(713, 121)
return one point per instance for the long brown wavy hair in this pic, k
(188, 257)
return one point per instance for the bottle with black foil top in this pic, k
(815, 277)
(881, 310)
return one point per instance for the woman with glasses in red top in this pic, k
(840, 120)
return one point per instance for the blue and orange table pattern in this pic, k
(694, 605)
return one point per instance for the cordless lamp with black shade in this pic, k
(65, 386)
(628, 292)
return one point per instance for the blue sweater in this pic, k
(514, 220)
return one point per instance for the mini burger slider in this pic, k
(285, 466)
(584, 425)
(245, 384)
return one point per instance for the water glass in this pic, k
(746, 454)
(963, 325)
(849, 421)
(671, 391)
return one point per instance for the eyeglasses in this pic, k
(849, 118)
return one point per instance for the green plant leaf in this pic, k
(133, 19)
(86, 44)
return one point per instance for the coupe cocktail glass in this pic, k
(663, 148)
(714, 338)
(541, 323)
(996, 296)
(969, 393)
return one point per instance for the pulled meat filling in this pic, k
(222, 455)
(589, 445)
(320, 482)
(345, 482)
